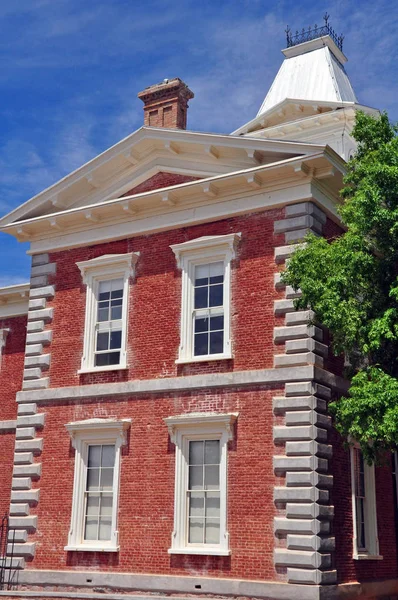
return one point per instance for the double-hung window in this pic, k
(105, 333)
(363, 506)
(3, 337)
(109, 323)
(96, 483)
(206, 297)
(200, 500)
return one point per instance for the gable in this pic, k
(148, 152)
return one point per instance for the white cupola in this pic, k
(311, 98)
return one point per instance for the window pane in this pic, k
(217, 323)
(196, 529)
(103, 314)
(196, 478)
(116, 312)
(216, 270)
(108, 359)
(216, 342)
(213, 505)
(212, 452)
(117, 293)
(212, 532)
(104, 288)
(197, 504)
(201, 344)
(201, 324)
(102, 341)
(105, 528)
(94, 456)
(116, 340)
(201, 274)
(91, 528)
(106, 505)
(196, 453)
(93, 479)
(201, 297)
(216, 295)
(108, 456)
(106, 478)
(93, 503)
(212, 478)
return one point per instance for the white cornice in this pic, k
(222, 420)
(14, 300)
(108, 263)
(260, 121)
(207, 242)
(140, 144)
(160, 202)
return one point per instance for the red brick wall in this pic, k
(147, 486)
(12, 362)
(11, 373)
(160, 180)
(155, 299)
(7, 441)
(347, 568)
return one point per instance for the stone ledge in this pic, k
(162, 584)
(7, 426)
(190, 382)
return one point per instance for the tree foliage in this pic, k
(351, 284)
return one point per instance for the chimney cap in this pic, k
(175, 85)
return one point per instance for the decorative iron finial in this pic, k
(313, 33)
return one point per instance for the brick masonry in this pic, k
(279, 514)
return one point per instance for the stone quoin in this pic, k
(165, 424)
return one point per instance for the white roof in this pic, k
(311, 72)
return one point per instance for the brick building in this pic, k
(164, 408)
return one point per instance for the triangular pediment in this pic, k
(146, 154)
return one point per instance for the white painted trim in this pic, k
(103, 268)
(203, 250)
(83, 434)
(14, 300)
(183, 429)
(3, 337)
(146, 135)
(370, 512)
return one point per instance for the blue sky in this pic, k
(71, 71)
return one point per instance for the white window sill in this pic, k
(367, 557)
(202, 551)
(93, 548)
(207, 358)
(103, 369)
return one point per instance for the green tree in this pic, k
(351, 284)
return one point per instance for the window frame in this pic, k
(3, 338)
(198, 427)
(105, 268)
(200, 251)
(83, 435)
(370, 511)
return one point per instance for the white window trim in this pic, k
(216, 248)
(84, 434)
(370, 512)
(3, 338)
(109, 266)
(183, 429)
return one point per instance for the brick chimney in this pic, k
(166, 104)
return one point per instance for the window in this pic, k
(206, 297)
(363, 507)
(96, 483)
(3, 337)
(200, 502)
(105, 334)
